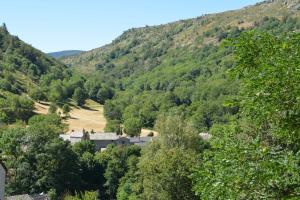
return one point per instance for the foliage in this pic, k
(258, 158)
(114, 126)
(165, 165)
(79, 96)
(39, 160)
(83, 196)
(165, 174)
(132, 127)
(114, 162)
(66, 109)
(270, 95)
(14, 107)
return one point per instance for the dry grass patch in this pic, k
(89, 117)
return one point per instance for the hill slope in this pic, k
(60, 54)
(21, 65)
(26, 71)
(193, 33)
(179, 67)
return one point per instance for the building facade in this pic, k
(2, 180)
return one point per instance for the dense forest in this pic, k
(177, 68)
(239, 82)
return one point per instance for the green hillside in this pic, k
(21, 65)
(178, 67)
(26, 71)
(157, 41)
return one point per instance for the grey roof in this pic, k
(140, 141)
(104, 136)
(92, 136)
(76, 134)
(28, 197)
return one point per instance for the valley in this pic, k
(151, 95)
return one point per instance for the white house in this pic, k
(2, 179)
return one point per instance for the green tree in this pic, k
(103, 94)
(256, 157)
(270, 78)
(132, 126)
(175, 132)
(57, 92)
(79, 96)
(66, 109)
(16, 108)
(52, 108)
(165, 173)
(114, 162)
(46, 163)
(37, 94)
(114, 126)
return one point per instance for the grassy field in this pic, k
(89, 117)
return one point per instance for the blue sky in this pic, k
(54, 25)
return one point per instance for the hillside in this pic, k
(21, 65)
(179, 67)
(27, 74)
(159, 41)
(60, 54)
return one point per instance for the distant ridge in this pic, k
(60, 54)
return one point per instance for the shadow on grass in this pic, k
(88, 108)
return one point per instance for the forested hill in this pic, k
(21, 65)
(26, 71)
(147, 47)
(178, 67)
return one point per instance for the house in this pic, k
(28, 197)
(3, 171)
(101, 140)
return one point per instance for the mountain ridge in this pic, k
(64, 53)
(192, 28)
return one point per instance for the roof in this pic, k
(104, 136)
(140, 141)
(92, 136)
(28, 197)
(76, 134)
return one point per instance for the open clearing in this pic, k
(89, 117)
